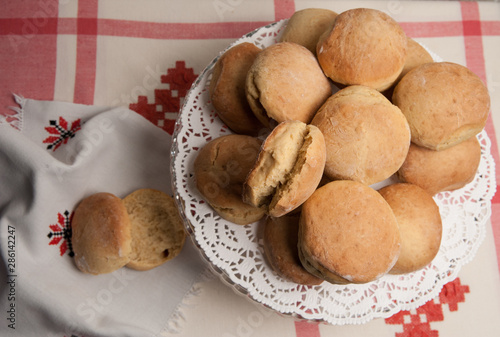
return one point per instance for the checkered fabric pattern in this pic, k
(145, 54)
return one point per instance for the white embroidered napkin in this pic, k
(61, 153)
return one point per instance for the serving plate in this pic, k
(235, 252)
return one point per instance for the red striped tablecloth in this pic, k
(146, 54)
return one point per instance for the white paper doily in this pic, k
(235, 252)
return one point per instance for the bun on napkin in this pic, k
(307, 25)
(220, 169)
(288, 169)
(419, 225)
(445, 170)
(286, 83)
(367, 138)
(364, 47)
(142, 231)
(280, 248)
(348, 233)
(101, 235)
(156, 228)
(227, 89)
(445, 103)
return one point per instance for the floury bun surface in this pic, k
(101, 234)
(364, 47)
(286, 83)
(445, 170)
(227, 89)
(419, 225)
(307, 25)
(348, 233)
(367, 138)
(445, 103)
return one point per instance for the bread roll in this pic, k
(220, 169)
(445, 103)
(101, 234)
(348, 233)
(288, 169)
(416, 55)
(419, 225)
(227, 89)
(364, 47)
(445, 170)
(367, 138)
(286, 83)
(280, 248)
(306, 26)
(156, 228)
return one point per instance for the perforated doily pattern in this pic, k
(235, 252)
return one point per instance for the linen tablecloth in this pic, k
(144, 55)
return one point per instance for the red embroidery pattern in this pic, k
(416, 323)
(163, 111)
(61, 231)
(60, 133)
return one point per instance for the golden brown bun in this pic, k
(156, 227)
(280, 248)
(445, 170)
(364, 47)
(419, 224)
(220, 168)
(286, 83)
(367, 138)
(416, 55)
(227, 89)
(101, 234)
(348, 233)
(288, 169)
(306, 26)
(445, 103)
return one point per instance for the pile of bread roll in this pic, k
(342, 102)
(141, 231)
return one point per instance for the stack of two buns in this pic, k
(142, 231)
(446, 106)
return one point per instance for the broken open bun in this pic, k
(288, 169)
(142, 231)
